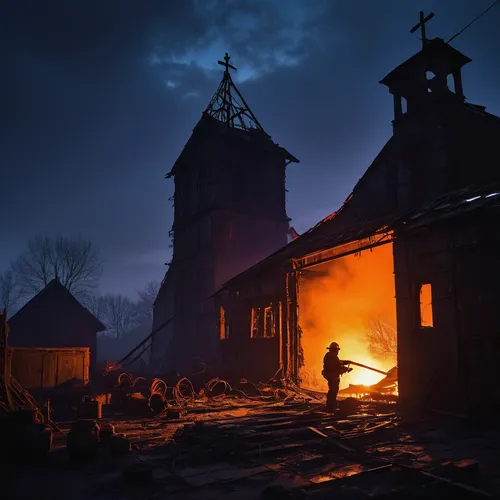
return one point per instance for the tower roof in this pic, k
(228, 115)
(436, 56)
(228, 105)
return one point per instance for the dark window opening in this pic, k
(269, 330)
(263, 322)
(426, 312)
(255, 323)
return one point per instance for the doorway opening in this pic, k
(351, 301)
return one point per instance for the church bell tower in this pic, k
(229, 213)
(443, 142)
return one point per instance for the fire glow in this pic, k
(351, 301)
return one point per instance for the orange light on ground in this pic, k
(341, 301)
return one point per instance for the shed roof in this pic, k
(56, 293)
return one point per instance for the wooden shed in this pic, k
(55, 319)
(45, 368)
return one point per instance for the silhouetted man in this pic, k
(333, 368)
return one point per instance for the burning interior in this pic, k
(350, 300)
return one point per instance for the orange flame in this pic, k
(340, 301)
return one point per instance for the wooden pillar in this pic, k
(287, 329)
(457, 80)
(398, 107)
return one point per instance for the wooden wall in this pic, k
(256, 359)
(451, 366)
(45, 368)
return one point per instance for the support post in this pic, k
(457, 81)
(398, 107)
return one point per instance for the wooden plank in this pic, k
(86, 366)
(250, 419)
(27, 368)
(332, 441)
(49, 375)
(290, 424)
(70, 366)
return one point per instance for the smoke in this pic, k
(350, 301)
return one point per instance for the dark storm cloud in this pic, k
(99, 97)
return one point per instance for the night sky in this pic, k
(98, 97)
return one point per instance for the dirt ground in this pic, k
(239, 449)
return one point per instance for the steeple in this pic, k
(228, 105)
(229, 114)
(422, 80)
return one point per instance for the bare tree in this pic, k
(120, 314)
(10, 292)
(382, 339)
(147, 297)
(73, 261)
(96, 304)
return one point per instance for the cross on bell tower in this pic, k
(421, 25)
(421, 82)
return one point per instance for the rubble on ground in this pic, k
(209, 439)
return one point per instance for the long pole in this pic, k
(367, 367)
(150, 336)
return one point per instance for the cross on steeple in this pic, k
(226, 64)
(421, 25)
(228, 105)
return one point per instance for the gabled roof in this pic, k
(54, 292)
